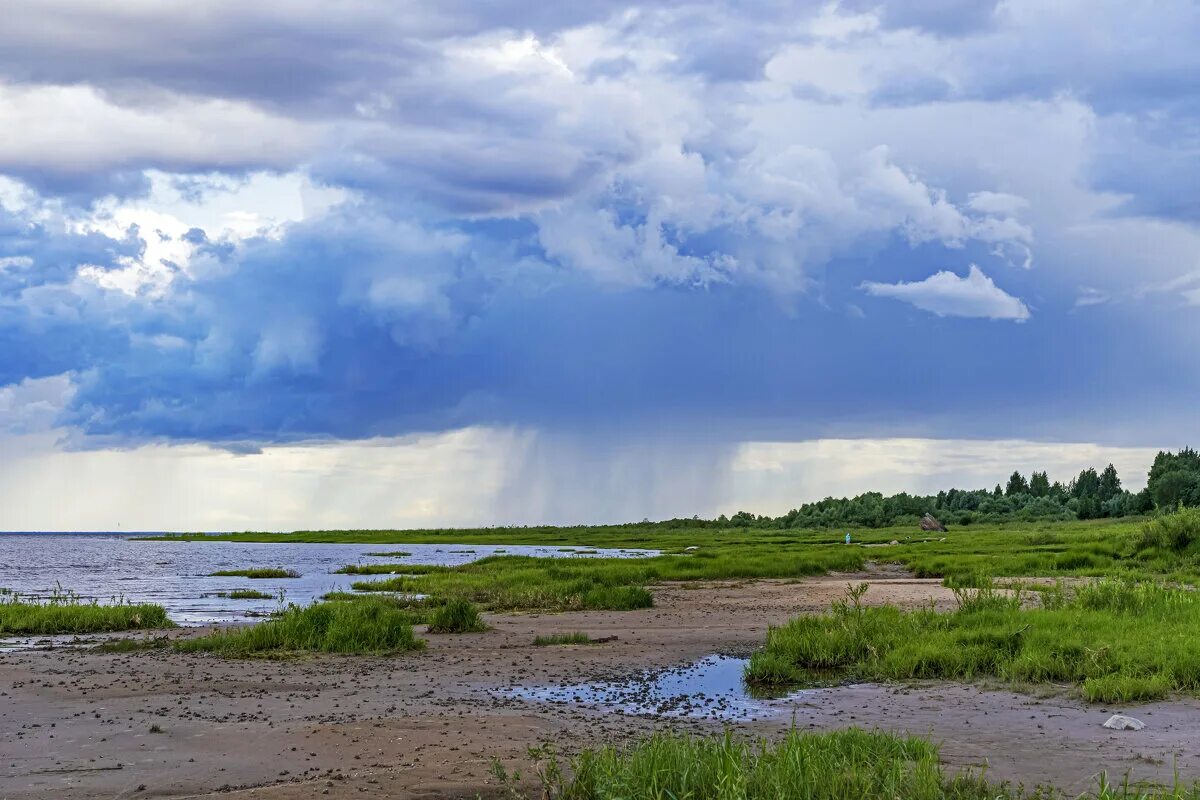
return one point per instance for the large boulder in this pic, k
(931, 523)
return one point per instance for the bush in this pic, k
(457, 615)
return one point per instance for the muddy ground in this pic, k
(79, 724)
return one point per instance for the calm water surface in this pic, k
(711, 688)
(176, 574)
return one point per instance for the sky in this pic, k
(288, 265)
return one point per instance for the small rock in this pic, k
(1120, 722)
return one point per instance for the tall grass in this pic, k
(360, 627)
(456, 616)
(64, 613)
(246, 594)
(576, 637)
(1117, 641)
(1174, 532)
(841, 765)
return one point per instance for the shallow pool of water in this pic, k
(711, 688)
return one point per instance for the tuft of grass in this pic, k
(577, 637)
(247, 594)
(256, 574)
(393, 554)
(618, 598)
(367, 626)
(836, 765)
(65, 613)
(1117, 641)
(457, 615)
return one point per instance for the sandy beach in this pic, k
(80, 724)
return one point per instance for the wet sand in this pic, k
(79, 724)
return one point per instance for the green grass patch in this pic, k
(837, 765)
(504, 583)
(577, 637)
(256, 574)
(457, 615)
(1117, 641)
(64, 614)
(246, 594)
(393, 554)
(365, 626)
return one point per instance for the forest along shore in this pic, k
(81, 724)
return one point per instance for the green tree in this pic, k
(1169, 482)
(1016, 485)
(1110, 484)
(1177, 487)
(1039, 484)
(1086, 485)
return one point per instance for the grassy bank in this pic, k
(805, 766)
(364, 626)
(1116, 641)
(1167, 548)
(66, 614)
(1092, 548)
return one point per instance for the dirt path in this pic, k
(77, 724)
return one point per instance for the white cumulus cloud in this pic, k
(949, 295)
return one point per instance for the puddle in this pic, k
(711, 688)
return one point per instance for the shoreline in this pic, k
(79, 723)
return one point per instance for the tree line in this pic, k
(1173, 481)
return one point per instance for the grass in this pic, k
(64, 613)
(246, 594)
(509, 583)
(393, 554)
(1116, 641)
(366, 626)
(1019, 549)
(256, 574)
(577, 637)
(1164, 549)
(456, 616)
(841, 765)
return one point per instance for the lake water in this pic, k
(176, 574)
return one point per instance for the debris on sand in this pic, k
(1120, 722)
(931, 523)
